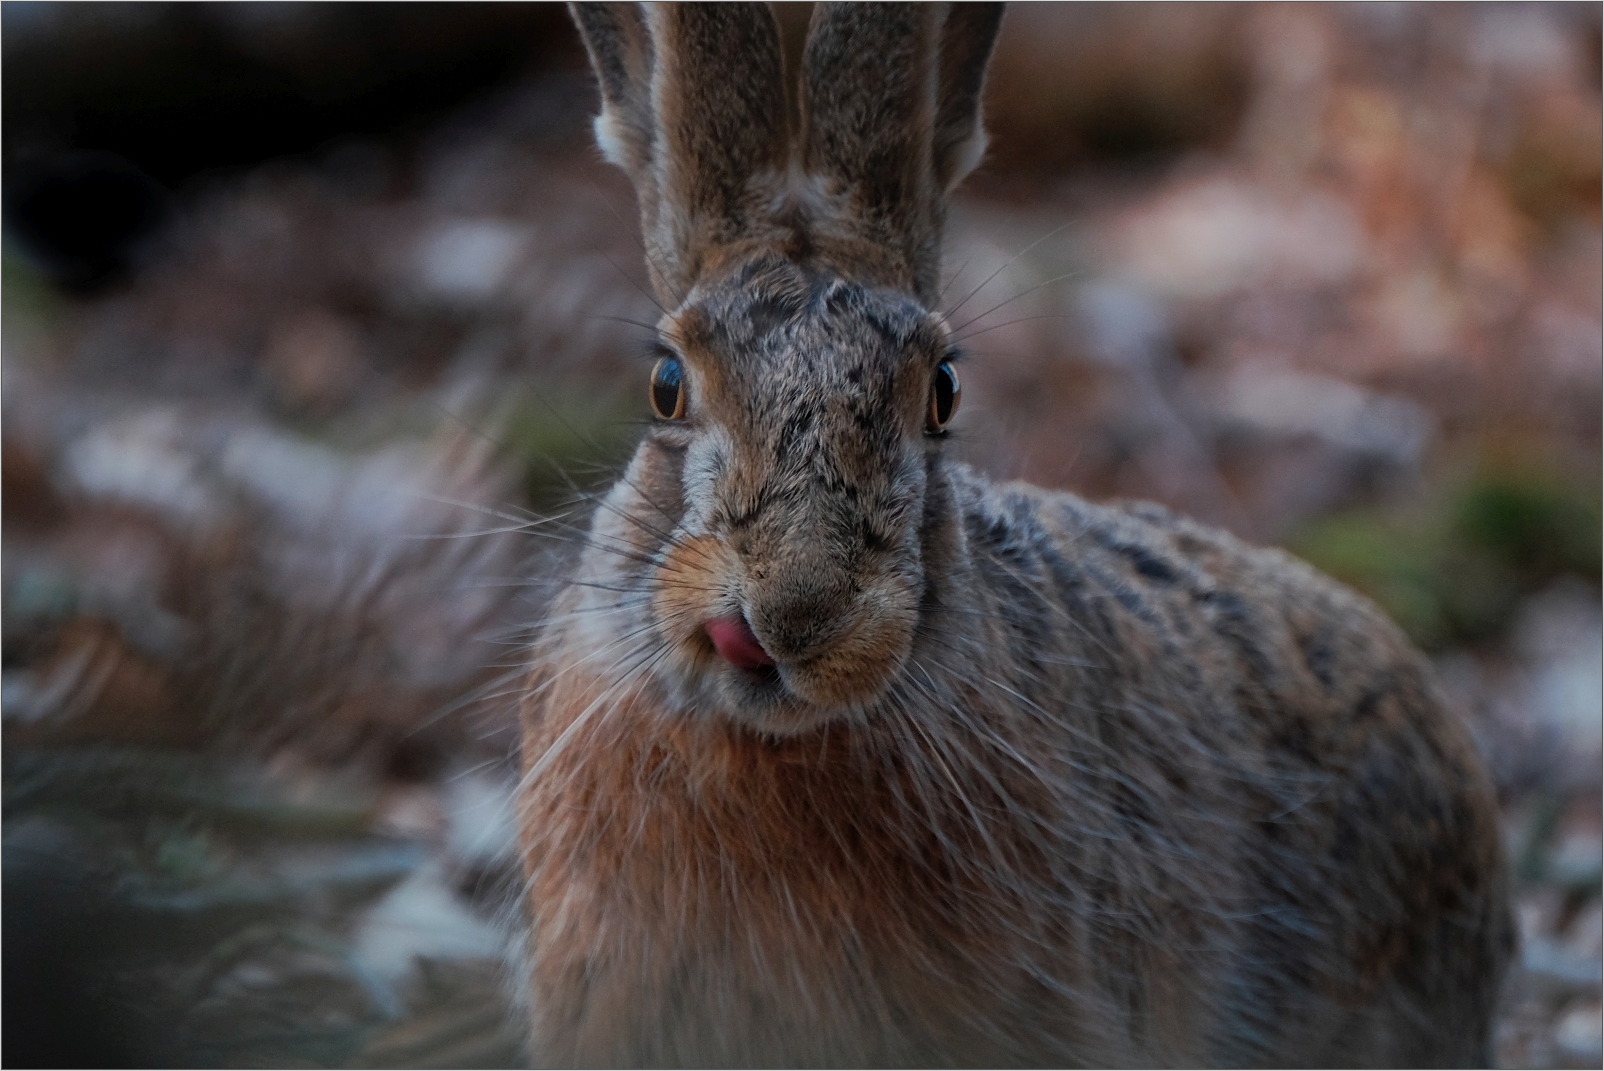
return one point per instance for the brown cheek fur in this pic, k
(694, 573)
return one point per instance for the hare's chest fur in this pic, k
(702, 897)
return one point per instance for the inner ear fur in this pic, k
(620, 50)
(968, 37)
(693, 107)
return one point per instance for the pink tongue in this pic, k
(734, 640)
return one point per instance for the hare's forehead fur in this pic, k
(803, 382)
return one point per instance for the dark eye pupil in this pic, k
(668, 389)
(944, 394)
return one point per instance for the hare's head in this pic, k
(804, 380)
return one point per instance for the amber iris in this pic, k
(668, 389)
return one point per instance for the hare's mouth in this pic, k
(738, 645)
(748, 683)
(784, 695)
(735, 642)
(727, 658)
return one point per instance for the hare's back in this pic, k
(1366, 844)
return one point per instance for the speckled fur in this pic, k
(1039, 782)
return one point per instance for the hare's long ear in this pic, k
(693, 107)
(620, 50)
(891, 120)
(967, 38)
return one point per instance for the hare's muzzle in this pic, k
(734, 640)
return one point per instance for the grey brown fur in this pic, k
(1035, 782)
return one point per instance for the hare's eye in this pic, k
(668, 389)
(944, 395)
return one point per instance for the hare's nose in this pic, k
(735, 641)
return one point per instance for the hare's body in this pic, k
(837, 754)
(1210, 850)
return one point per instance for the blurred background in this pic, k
(310, 310)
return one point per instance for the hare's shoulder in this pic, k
(1172, 560)
(1300, 633)
(1313, 660)
(1313, 675)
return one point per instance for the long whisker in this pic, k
(955, 277)
(1009, 323)
(518, 524)
(1005, 266)
(1024, 293)
(643, 325)
(601, 702)
(645, 254)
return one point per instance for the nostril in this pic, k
(735, 641)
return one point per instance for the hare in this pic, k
(837, 753)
